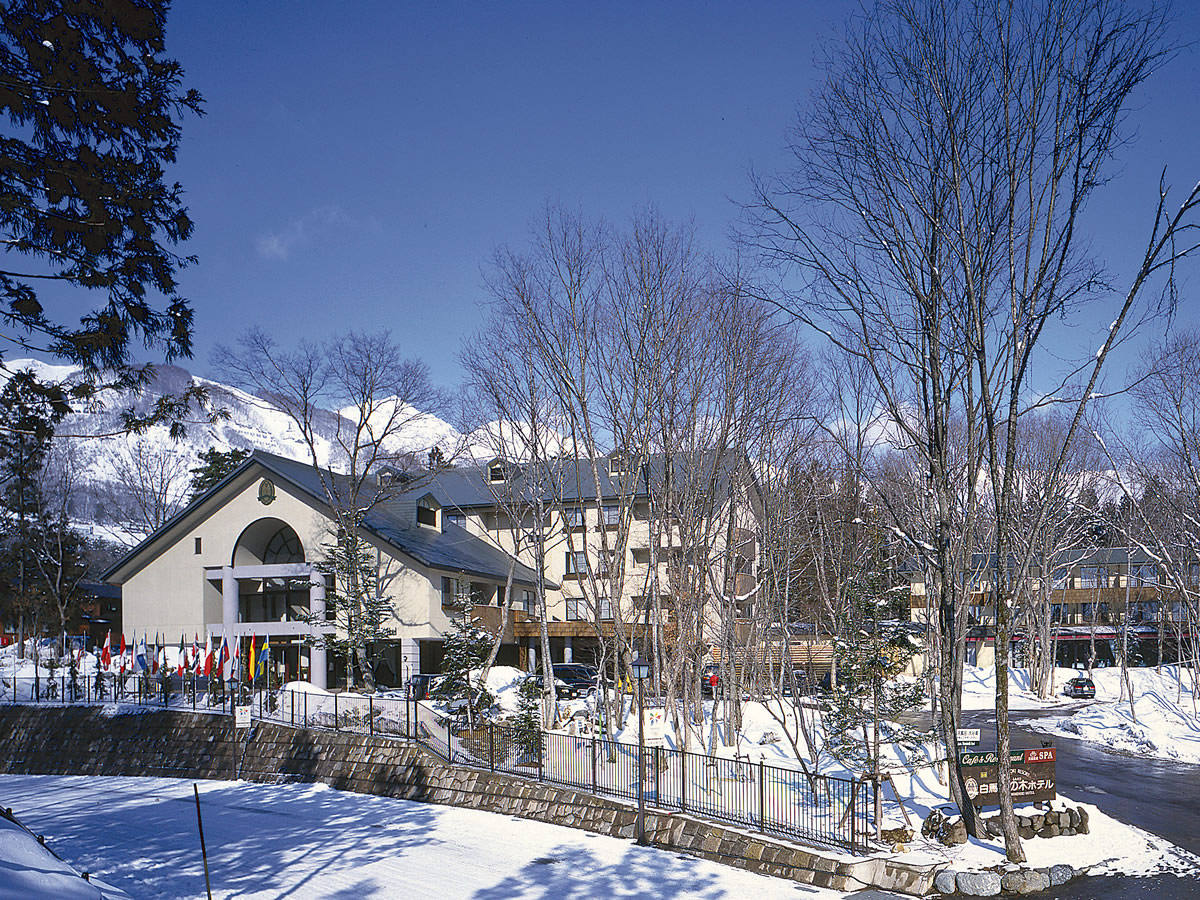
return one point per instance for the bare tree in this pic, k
(358, 404)
(150, 484)
(936, 211)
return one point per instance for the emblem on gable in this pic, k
(266, 492)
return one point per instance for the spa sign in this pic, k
(1032, 775)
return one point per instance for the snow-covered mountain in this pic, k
(101, 457)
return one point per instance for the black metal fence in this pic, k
(197, 693)
(777, 800)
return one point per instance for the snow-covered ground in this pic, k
(918, 780)
(305, 840)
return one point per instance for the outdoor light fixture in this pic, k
(641, 671)
(641, 668)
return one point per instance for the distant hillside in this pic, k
(102, 466)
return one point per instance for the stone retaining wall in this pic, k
(200, 745)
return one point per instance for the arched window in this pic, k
(283, 547)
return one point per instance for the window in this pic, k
(641, 556)
(456, 592)
(611, 516)
(576, 563)
(523, 601)
(1145, 611)
(1093, 576)
(197, 546)
(1058, 612)
(580, 610)
(573, 517)
(427, 516)
(497, 472)
(283, 547)
(620, 466)
(1144, 573)
(458, 519)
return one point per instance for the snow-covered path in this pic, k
(308, 840)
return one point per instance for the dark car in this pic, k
(710, 680)
(563, 690)
(419, 686)
(798, 683)
(582, 679)
(1080, 687)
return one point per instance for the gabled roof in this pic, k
(451, 550)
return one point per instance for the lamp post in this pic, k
(641, 671)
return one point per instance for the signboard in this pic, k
(241, 716)
(654, 721)
(967, 735)
(1032, 775)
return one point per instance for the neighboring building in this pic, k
(1096, 598)
(240, 560)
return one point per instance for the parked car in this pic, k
(710, 680)
(421, 686)
(582, 678)
(799, 678)
(1080, 687)
(563, 690)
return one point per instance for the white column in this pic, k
(568, 649)
(533, 648)
(316, 655)
(229, 603)
(410, 659)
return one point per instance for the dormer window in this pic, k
(429, 512)
(496, 472)
(618, 466)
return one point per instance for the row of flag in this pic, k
(207, 660)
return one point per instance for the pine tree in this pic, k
(866, 695)
(356, 603)
(214, 466)
(466, 648)
(93, 106)
(528, 721)
(29, 412)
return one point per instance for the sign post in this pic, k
(1032, 775)
(241, 719)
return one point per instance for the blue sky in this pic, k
(359, 162)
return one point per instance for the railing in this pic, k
(62, 689)
(780, 801)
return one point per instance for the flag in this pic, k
(264, 658)
(223, 659)
(106, 653)
(197, 662)
(237, 659)
(154, 658)
(140, 662)
(181, 663)
(122, 653)
(208, 656)
(250, 672)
